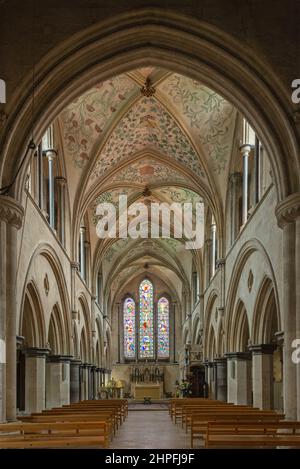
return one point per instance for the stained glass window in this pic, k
(163, 326)
(129, 328)
(146, 320)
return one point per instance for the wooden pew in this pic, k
(252, 434)
(188, 411)
(76, 417)
(199, 421)
(55, 435)
(176, 412)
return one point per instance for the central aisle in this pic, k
(150, 429)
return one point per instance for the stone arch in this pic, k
(76, 344)
(239, 334)
(211, 350)
(32, 324)
(266, 318)
(250, 247)
(48, 252)
(84, 352)
(85, 331)
(220, 345)
(99, 342)
(57, 333)
(210, 307)
(196, 332)
(140, 39)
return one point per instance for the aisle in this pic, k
(150, 430)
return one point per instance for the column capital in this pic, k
(51, 154)
(75, 362)
(75, 265)
(37, 352)
(82, 229)
(288, 210)
(245, 149)
(61, 181)
(11, 211)
(261, 349)
(238, 355)
(59, 358)
(221, 361)
(220, 262)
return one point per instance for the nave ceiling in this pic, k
(173, 146)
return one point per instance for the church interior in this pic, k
(159, 107)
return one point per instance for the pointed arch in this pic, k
(266, 318)
(163, 327)
(146, 319)
(32, 323)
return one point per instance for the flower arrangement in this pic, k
(184, 389)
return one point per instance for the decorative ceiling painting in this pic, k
(209, 116)
(86, 118)
(148, 171)
(147, 126)
(155, 136)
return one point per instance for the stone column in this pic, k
(245, 150)
(94, 382)
(11, 217)
(239, 378)
(98, 381)
(82, 252)
(210, 380)
(288, 214)
(213, 248)
(75, 380)
(221, 378)
(51, 155)
(235, 188)
(262, 375)
(61, 183)
(40, 157)
(2, 317)
(74, 270)
(84, 391)
(58, 380)
(35, 379)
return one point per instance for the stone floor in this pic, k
(150, 430)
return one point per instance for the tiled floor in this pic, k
(150, 430)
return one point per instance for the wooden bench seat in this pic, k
(254, 441)
(65, 433)
(199, 422)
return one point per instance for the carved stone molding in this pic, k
(11, 211)
(288, 210)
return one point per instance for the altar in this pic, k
(155, 391)
(147, 381)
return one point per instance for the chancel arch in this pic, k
(140, 112)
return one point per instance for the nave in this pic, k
(141, 113)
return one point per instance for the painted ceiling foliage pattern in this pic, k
(208, 115)
(86, 118)
(147, 125)
(184, 122)
(147, 171)
(178, 194)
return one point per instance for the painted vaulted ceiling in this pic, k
(176, 144)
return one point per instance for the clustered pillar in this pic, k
(11, 217)
(288, 216)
